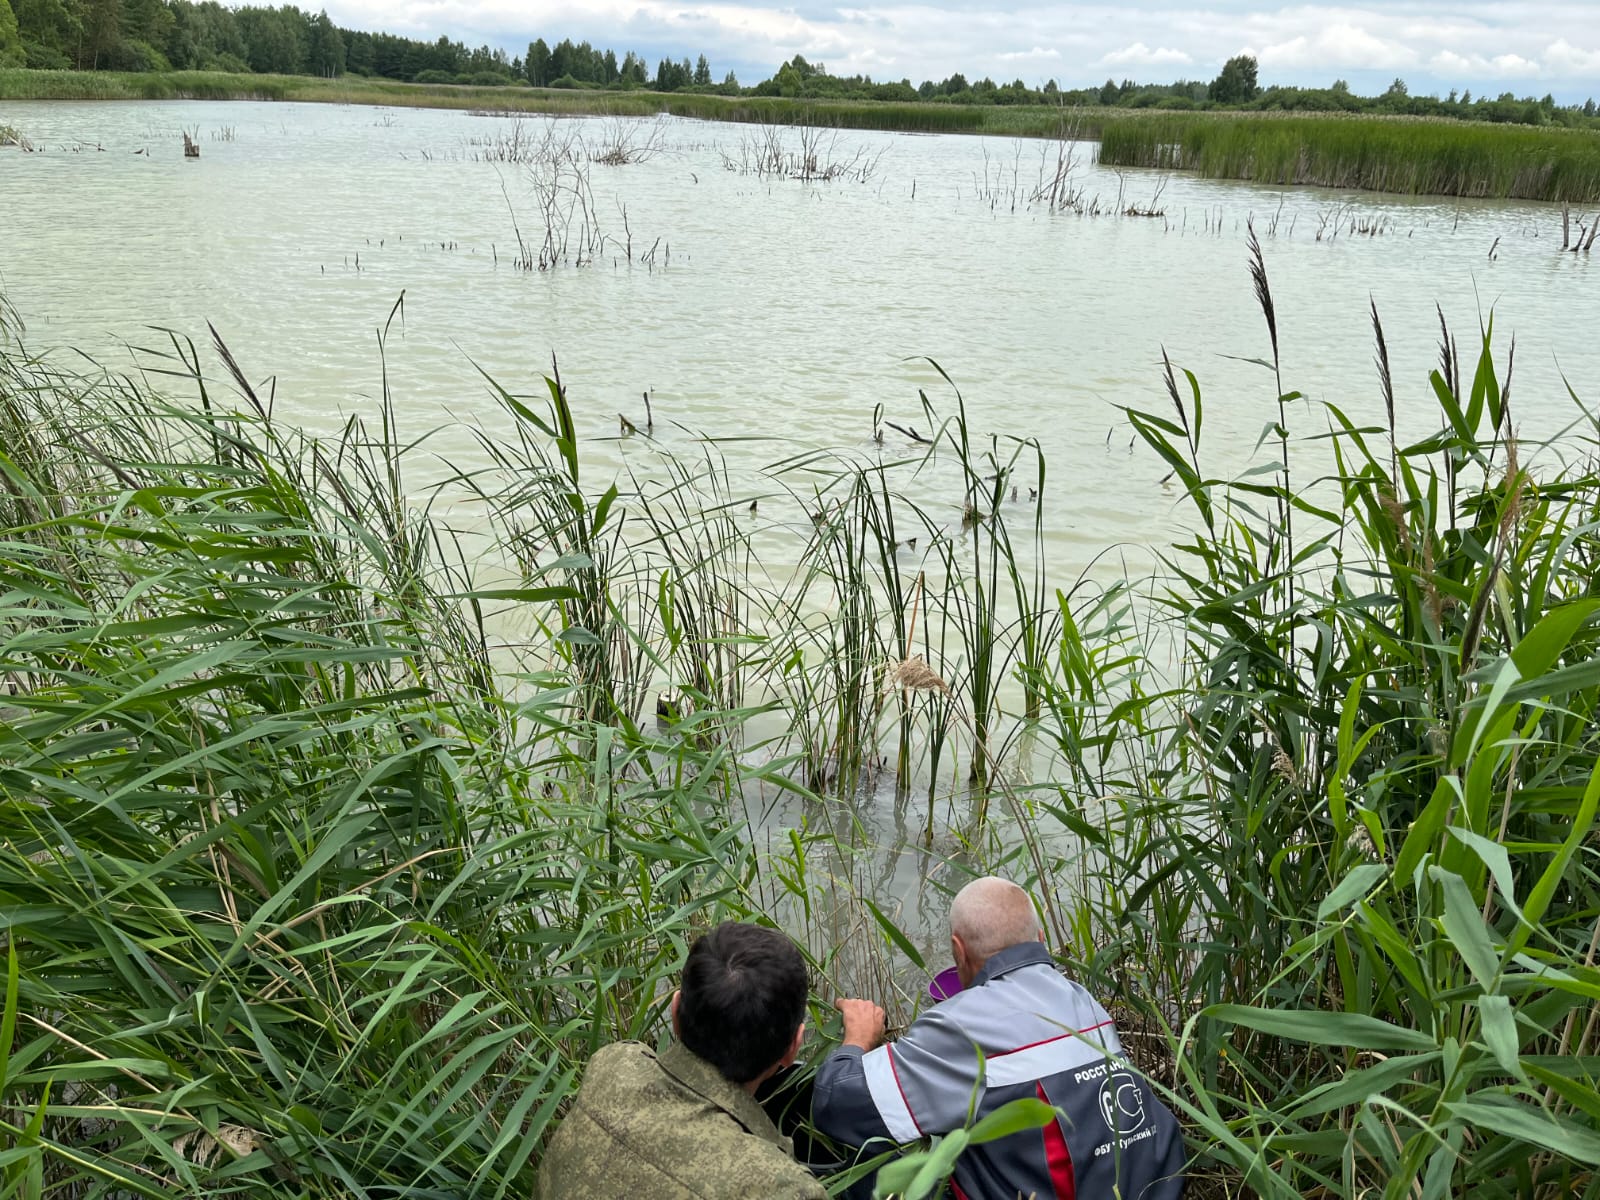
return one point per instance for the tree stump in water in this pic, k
(191, 148)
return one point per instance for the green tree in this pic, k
(538, 63)
(11, 51)
(561, 55)
(102, 26)
(324, 48)
(274, 39)
(1237, 82)
(50, 32)
(702, 72)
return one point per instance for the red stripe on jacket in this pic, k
(1058, 1156)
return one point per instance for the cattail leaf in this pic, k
(1358, 1084)
(1497, 860)
(1356, 1030)
(1465, 927)
(1544, 890)
(1514, 1118)
(1017, 1116)
(1357, 883)
(1500, 1033)
(895, 935)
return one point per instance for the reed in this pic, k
(1413, 157)
(335, 834)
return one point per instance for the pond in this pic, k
(773, 312)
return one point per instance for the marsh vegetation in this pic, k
(337, 826)
(1379, 151)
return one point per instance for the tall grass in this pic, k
(1415, 157)
(299, 894)
(1345, 868)
(1373, 153)
(335, 831)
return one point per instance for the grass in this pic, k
(1415, 157)
(1367, 152)
(319, 874)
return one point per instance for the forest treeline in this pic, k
(183, 35)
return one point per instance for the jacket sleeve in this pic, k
(841, 1102)
(921, 1084)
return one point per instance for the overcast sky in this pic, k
(1526, 48)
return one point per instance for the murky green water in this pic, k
(786, 309)
(772, 309)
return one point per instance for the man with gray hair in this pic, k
(1017, 1028)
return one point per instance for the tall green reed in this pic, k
(1375, 154)
(336, 836)
(1337, 873)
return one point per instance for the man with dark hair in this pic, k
(684, 1124)
(1018, 1028)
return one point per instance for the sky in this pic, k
(1524, 48)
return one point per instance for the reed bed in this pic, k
(1373, 153)
(1413, 157)
(330, 848)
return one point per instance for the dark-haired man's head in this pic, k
(742, 1003)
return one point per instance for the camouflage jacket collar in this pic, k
(700, 1077)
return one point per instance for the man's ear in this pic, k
(793, 1052)
(676, 1032)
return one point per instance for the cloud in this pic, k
(1564, 60)
(1449, 64)
(1140, 55)
(1339, 46)
(1432, 44)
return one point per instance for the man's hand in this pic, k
(864, 1023)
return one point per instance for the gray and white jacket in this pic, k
(1021, 1029)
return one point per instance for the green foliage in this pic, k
(1393, 156)
(12, 53)
(312, 884)
(1236, 84)
(296, 899)
(922, 1174)
(1331, 853)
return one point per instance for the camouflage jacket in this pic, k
(669, 1127)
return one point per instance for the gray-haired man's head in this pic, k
(986, 916)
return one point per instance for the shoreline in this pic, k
(1393, 155)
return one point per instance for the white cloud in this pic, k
(1038, 53)
(1339, 46)
(1140, 55)
(1432, 44)
(1564, 60)
(1450, 65)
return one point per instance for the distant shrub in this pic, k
(45, 58)
(485, 79)
(230, 63)
(133, 55)
(432, 76)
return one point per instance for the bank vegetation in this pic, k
(338, 828)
